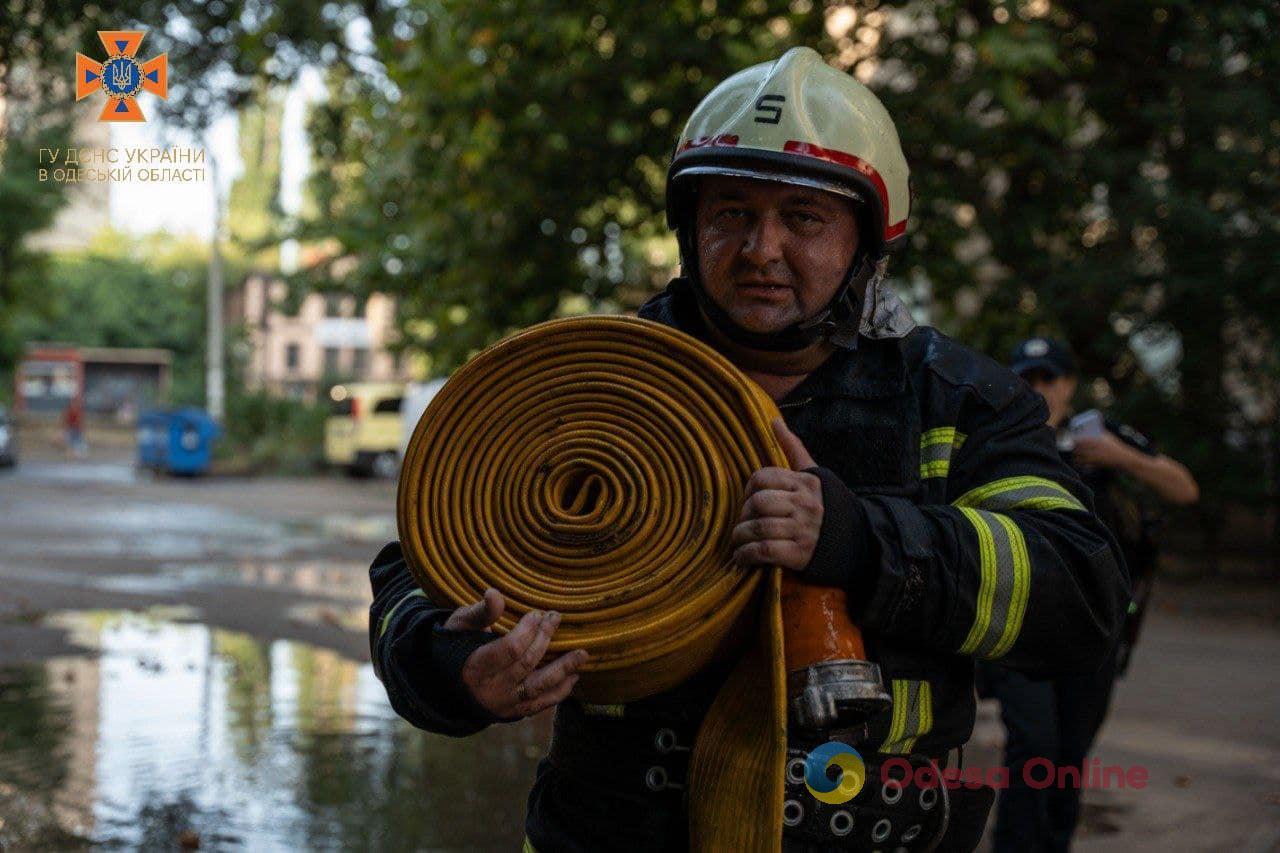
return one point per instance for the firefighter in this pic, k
(932, 491)
(1058, 718)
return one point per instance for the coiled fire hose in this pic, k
(596, 466)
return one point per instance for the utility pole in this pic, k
(214, 377)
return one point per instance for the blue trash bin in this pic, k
(153, 439)
(190, 447)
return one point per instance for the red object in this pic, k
(75, 419)
(849, 160)
(50, 352)
(703, 141)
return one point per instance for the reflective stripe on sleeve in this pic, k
(912, 715)
(1027, 492)
(936, 447)
(386, 617)
(1003, 586)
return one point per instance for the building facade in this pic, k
(330, 338)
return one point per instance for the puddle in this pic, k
(176, 731)
(79, 472)
(337, 579)
(372, 529)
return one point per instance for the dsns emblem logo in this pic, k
(121, 77)
(852, 776)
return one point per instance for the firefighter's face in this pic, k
(772, 254)
(1057, 392)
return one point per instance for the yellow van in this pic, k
(362, 432)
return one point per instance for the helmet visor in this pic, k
(816, 182)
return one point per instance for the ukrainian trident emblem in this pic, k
(121, 77)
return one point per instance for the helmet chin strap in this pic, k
(837, 323)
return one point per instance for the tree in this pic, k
(512, 155)
(38, 42)
(1108, 172)
(126, 292)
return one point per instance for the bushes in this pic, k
(270, 434)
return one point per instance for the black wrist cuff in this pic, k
(843, 556)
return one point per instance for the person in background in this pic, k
(74, 422)
(1058, 718)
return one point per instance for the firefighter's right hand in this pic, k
(504, 675)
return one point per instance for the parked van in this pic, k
(362, 432)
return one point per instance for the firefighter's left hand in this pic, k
(782, 515)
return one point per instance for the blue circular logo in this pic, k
(853, 772)
(121, 77)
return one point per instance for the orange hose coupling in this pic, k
(830, 683)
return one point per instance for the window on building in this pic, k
(292, 355)
(390, 404)
(360, 362)
(331, 359)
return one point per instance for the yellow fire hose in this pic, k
(596, 466)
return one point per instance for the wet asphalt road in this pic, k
(255, 556)
(190, 657)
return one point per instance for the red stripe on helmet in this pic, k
(808, 149)
(703, 141)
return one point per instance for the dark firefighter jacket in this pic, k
(949, 517)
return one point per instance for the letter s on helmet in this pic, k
(797, 120)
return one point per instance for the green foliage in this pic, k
(28, 206)
(514, 154)
(253, 204)
(123, 292)
(269, 433)
(37, 48)
(1108, 172)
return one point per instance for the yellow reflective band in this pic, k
(386, 617)
(926, 709)
(912, 715)
(898, 721)
(1026, 492)
(528, 847)
(937, 468)
(936, 447)
(939, 435)
(597, 710)
(1003, 587)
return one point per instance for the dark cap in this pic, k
(1053, 357)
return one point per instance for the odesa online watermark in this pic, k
(1036, 773)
